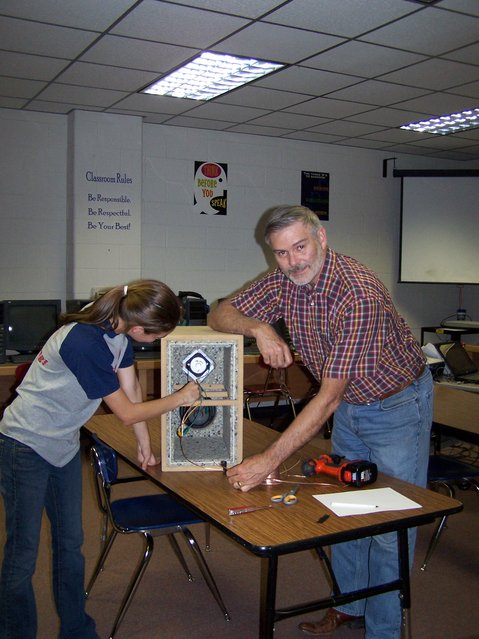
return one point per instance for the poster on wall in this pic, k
(210, 189)
(315, 192)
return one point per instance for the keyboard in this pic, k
(22, 359)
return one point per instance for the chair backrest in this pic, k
(104, 458)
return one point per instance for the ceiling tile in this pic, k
(316, 82)
(430, 31)
(345, 128)
(198, 123)
(106, 77)
(276, 43)
(470, 90)
(12, 103)
(329, 108)
(386, 116)
(226, 112)
(245, 8)
(468, 54)
(87, 96)
(346, 18)
(439, 103)
(57, 107)
(14, 88)
(132, 53)
(32, 67)
(155, 104)
(311, 136)
(261, 98)
(466, 6)
(434, 74)
(87, 14)
(258, 130)
(288, 120)
(378, 93)
(168, 23)
(43, 39)
(362, 59)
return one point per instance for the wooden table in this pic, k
(282, 530)
(457, 406)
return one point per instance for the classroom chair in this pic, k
(274, 387)
(147, 515)
(445, 471)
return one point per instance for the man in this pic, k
(343, 324)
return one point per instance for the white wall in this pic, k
(213, 255)
(33, 214)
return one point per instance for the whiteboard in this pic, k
(440, 230)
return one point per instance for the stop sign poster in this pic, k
(210, 190)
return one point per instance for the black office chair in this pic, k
(444, 472)
(146, 515)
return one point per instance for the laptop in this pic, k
(460, 363)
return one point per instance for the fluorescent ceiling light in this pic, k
(446, 124)
(210, 75)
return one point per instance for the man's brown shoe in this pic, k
(331, 622)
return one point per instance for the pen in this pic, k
(351, 505)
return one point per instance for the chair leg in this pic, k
(207, 536)
(248, 409)
(134, 583)
(101, 561)
(179, 554)
(440, 526)
(434, 540)
(205, 571)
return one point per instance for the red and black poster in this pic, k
(210, 189)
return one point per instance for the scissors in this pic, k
(288, 499)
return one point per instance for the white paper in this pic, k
(433, 356)
(362, 502)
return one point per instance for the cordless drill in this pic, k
(356, 472)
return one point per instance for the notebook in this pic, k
(459, 363)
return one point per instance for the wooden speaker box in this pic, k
(203, 436)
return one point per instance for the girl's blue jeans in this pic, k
(395, 434)
(29, 485)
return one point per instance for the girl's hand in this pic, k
(146, 458)
(189, 394)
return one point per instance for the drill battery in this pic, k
(355, 472)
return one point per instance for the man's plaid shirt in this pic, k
(346, 326)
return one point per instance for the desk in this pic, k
(456, 407)
(278, 531)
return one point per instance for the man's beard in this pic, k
(310, 273)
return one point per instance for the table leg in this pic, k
(269, 574)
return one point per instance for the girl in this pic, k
(87, 360)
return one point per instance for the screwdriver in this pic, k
(241, 510)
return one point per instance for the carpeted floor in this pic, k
(167, 606)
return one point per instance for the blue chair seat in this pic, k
(443, 468)
(136, 514)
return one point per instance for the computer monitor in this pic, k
(28, 324)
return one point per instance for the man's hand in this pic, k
(250, 473)
(274, 350)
